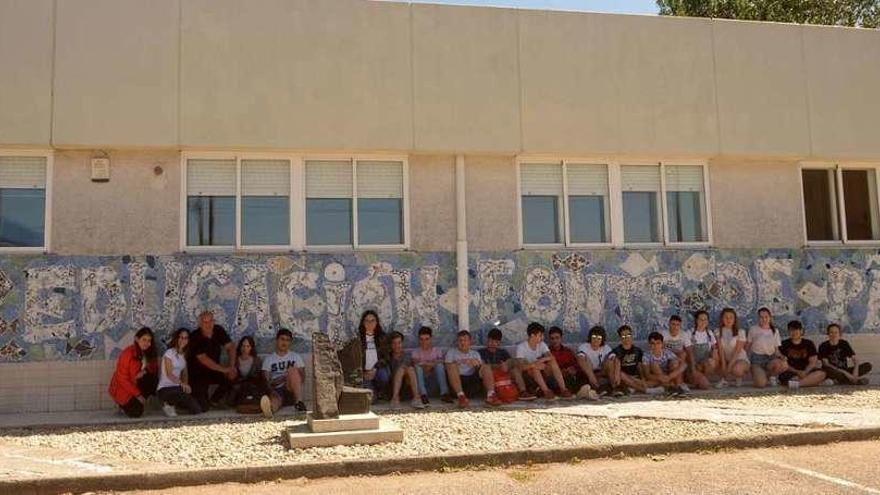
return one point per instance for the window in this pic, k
(840, 203)
(273, 202)
(591, 203)
(23, 198)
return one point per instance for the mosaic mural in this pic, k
(71, 308)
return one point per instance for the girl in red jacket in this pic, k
(136, 375)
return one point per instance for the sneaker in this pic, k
(617, 392)
(447, 398)
(654, 390)
(169, 411)
(418, 404)
(738, 383)
(548, 395)
(300, 407)
(395, 403)
(266, 406)
(586, 392)
(526, 396)
(566, 394)
(774, 382)
(863, 380)
(684, 388)
(673, 392)
(828, 382)
(493, 401)
(463, 401)
(721, 384)
(425, 400)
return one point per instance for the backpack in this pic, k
(505, 390)
(247, 401)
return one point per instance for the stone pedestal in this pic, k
(345, 422)
(348, 429)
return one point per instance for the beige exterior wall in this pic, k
(136, 212)
(492, 197)
(756, 204)
(25, 71)
(432, 202)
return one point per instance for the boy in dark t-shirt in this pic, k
(802, 358)
(629, 359)
(839, 360)
(499, 359)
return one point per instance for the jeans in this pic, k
(175, 396)
(380, 383)
(147, 386)
(439, 375)
(200, 386)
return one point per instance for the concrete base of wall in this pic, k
(59, 386)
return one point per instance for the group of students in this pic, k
(675, 361)
(192, 364)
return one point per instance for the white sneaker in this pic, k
(684, 388)
(586, 392)
(169, 411)
(417, 403)
(828, 382)
(266, 406)
(654, 390)
(774, 382)
(721, 383)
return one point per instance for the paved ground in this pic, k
(835, 468)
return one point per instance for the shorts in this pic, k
(702, 352)
(472, 385)
(760, 360)
(287, 398)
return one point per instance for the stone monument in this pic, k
(341, 413)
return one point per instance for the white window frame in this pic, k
(49, 155)
(297, 205)
(615, 202)
(840, 204)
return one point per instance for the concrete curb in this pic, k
(254, 474)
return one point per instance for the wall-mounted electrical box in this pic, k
(100, 169)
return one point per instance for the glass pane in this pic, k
(860, 205)
(22, 217)
(210, 220)
(685, 212)
(265, 221)
(380, 221)
(540, 219)
(640, 219)
(328, 221)
(820, 204)
(587, 218)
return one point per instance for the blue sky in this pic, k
(618, 6)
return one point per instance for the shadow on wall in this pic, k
(74, 308)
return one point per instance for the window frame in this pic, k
(615, 202)
(297, 202)
(49, 155)
(838, 167)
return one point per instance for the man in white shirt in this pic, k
(283, 371)
(536, 361)
(467, 373)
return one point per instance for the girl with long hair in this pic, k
(174, 389)
(136, 375)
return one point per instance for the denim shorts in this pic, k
(760, 360)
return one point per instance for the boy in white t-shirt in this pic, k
(680, 344)
(283, 371)
(596, 360)
(467, 374)
(534, 358)
(663, 367)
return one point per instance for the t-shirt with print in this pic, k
(763, 341)
(210, 347)
(371, 355)
(523, 351)
(494, 358)
(676, 343)
(629, 359)
(664, 361)
(837, 355)
(277, 366)
(595, 356)
(454, 355)
(178, 364)
(798, 355)
(432, 355)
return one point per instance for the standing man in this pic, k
(203, 362)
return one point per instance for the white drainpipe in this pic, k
(461, 246)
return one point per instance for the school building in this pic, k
(290, 163)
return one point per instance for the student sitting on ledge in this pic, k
(802, 358)
(136, 375)
(839, 360)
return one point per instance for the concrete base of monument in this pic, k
(333, 432)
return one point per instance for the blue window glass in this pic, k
(587, 219)
(540, 219)
(380, 221)
(684, 211)
(328, 221)
(210, 220)
(640, 219)
(265, 221)
(22, 217)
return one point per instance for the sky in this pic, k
(611, 6)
